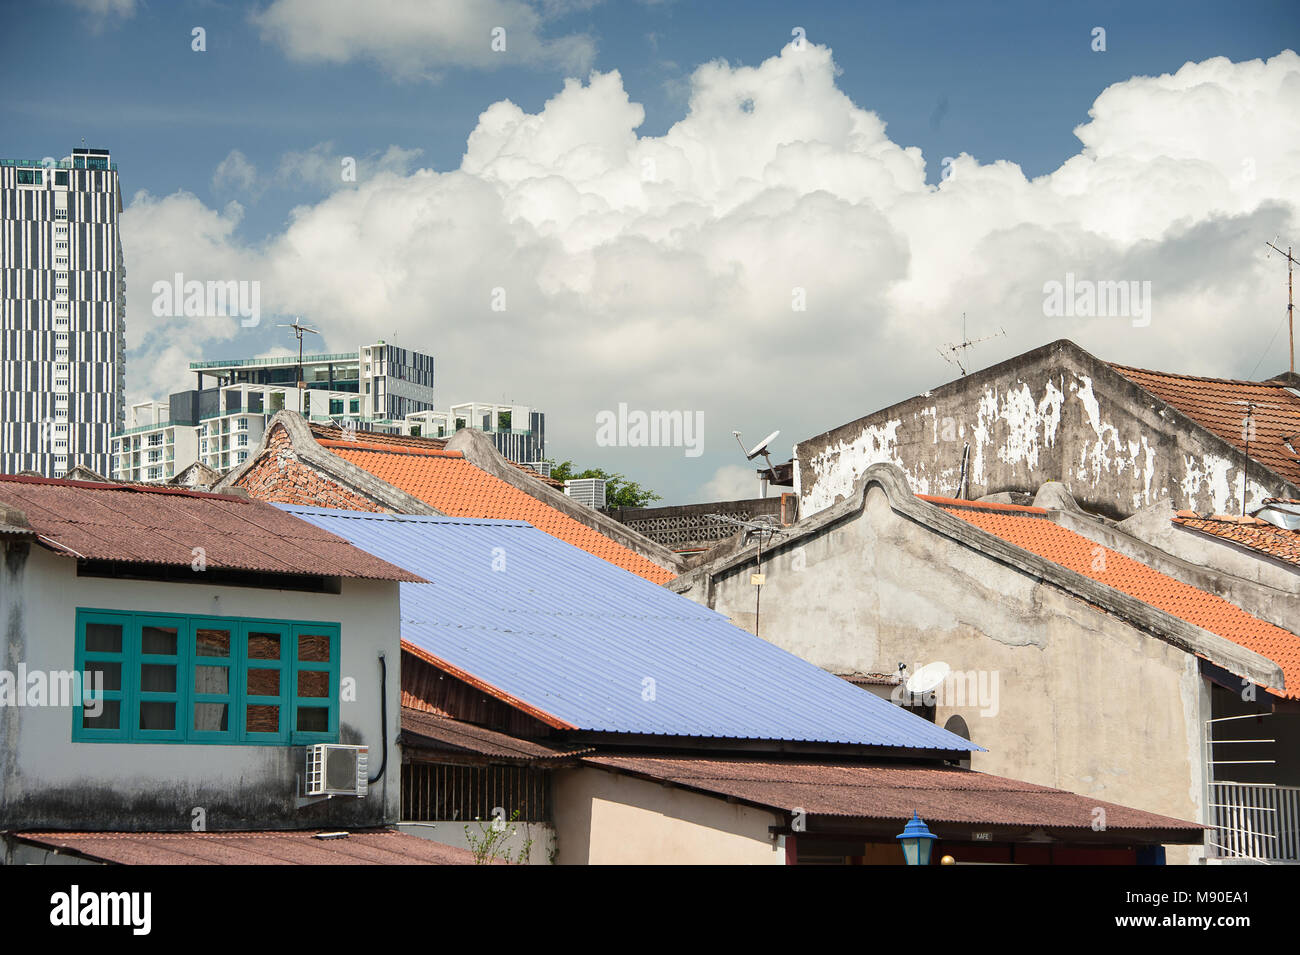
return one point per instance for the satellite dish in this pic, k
(761, 446)
(927, 678)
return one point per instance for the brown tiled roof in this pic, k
(1030, 529)
(430, 731)
(893, 792)
(368, 847)
(1221, 405)
(1258, 535)
(162, 526)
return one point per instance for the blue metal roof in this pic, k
(578, 638)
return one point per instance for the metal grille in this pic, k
(1255, 822)
(439, 791)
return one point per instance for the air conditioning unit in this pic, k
(335, 769)
(588, 491)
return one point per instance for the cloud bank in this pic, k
(774, 260)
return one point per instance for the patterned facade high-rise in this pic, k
(62, 313)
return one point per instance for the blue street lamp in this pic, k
(917, 841)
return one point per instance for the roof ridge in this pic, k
(947, 502)
(388, 448)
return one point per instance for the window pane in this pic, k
(104, 637)
(155, 715)
(212, 643)
(315, 683)
(108, 719)
(263, 682)
(264, 646)
(314, 648)
(159, 640)
(214, 717)
(109, 673)
(313, 719)
(262, 718)
(158, 678)
(211, 680)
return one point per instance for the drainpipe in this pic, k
(383, 717)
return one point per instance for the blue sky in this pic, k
(999, 81)
(663, 300)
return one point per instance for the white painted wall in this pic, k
(48, 780)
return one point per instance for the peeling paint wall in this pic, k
(48, 781)
(1054, 414)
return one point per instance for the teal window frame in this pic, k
(187, 696)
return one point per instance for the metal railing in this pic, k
(1255, 821)
(279, 360)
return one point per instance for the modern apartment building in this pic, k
(62, 313)
(519, 432)
(391, 382)
(377, 388)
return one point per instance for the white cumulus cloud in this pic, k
(775, 260)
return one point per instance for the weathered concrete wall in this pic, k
(1052, 414)
(538, 838)
(604, 818)
(1154, 525)
(48, 781)
(1065, 695)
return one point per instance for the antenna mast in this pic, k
(1290, 301)
(952, 352)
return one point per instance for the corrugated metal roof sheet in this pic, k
(372, 847)
(578, 638)
(430, 731)
(163, 526)
(459, 488)
(938, 794)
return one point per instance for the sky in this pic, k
(765, 216)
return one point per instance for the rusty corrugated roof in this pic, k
(431, 731)
(163, 526)
(367, 847)
(1221, 405)
(893, 792)
(1030, 529)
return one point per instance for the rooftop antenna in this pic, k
(755, 451)
(298, 329)
(1290, 301)
(763, 532)
(951, 352)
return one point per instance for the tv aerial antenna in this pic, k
(1290, 301)
(762, 532)
(298, 329)
(951, 352)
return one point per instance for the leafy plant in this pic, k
(619, 491)
(489, 844)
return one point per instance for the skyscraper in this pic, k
(62, 313)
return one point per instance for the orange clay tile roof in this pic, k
(1261, 536)
(381, 441)
(1221, 405)
(1039, 535)
(457, 488)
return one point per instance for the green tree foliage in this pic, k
(619, 491)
